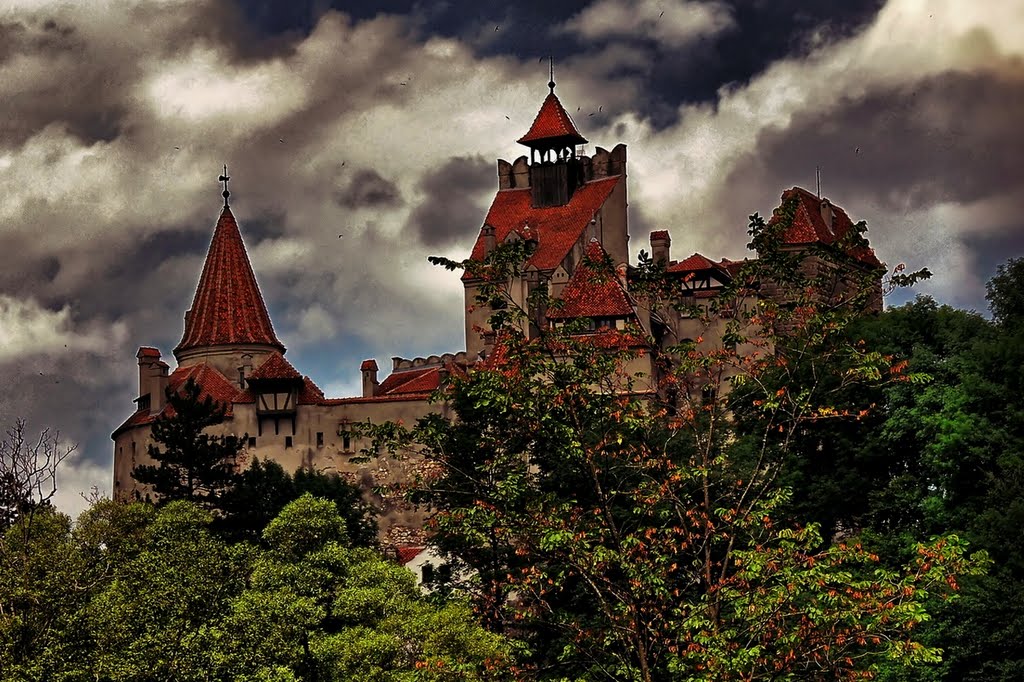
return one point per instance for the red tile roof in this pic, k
(552, 124)
(556, 228)
(593, 290)
(275, 367)
(310, 394)
(368, 366)
(211, 383)
(148, 352)
(809, 226)
(407, 554)
(660, 234)
(228, 307)
(694, 263)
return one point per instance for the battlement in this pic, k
(601, 164)
(399, 364)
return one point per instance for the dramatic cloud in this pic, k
(367, 189)
(452, 201)
(673, 23)
(30, 330)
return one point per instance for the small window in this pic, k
(346, 442)
(319, 439)
(252, 441)
(287, 441)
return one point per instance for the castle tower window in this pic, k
(319, 439)
(287, 441)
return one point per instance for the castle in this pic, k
(572, 208)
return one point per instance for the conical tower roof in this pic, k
(228, 308)
(552, 127)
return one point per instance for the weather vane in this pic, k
(224, 178)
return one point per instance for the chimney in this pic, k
(489, 240)
(369, 372)
(660, 244)
(152, 378)
(826, 213)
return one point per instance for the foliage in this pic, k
(191, 464)
(130, 592)
(627, 533)
(1005, 296)
(263, 489)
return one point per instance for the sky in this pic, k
(362, 137)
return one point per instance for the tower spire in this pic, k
(551, 73)
(228, 308)
(224, 178)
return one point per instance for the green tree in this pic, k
(264, 488)
(630, 536)
(191, 464)
(131, 592)
(1005, 296)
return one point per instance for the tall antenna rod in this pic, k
(551, 73)
(817, 175)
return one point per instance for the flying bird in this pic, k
(507, 118)
(495, 28)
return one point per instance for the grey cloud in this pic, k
(452, 205)
(367, 189)
(950, 138)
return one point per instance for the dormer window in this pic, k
(276, 402)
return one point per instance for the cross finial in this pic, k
(224, 178)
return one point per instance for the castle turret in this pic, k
(555, 172)
(228, 318)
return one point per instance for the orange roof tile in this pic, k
(407, 554)
(809, 226)
(693, 263)
(593, 290)
(556, 228)
(368, 366)
(553, 124)
(275, 367)
(228, 307)
(212, 384)
(148, 352)
(310, 394)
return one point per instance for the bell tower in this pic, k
(555, 172)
